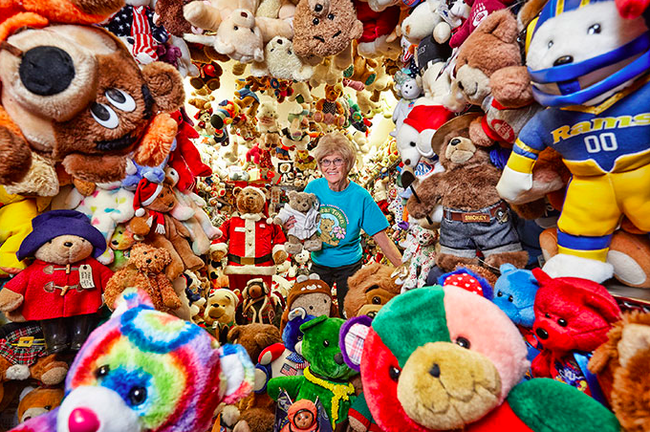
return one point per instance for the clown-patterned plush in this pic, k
(145, 370)
(589, 67)
(443, 358)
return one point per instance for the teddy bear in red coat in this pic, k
(572, 318)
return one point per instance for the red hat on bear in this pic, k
(424, 117)
(145, 194)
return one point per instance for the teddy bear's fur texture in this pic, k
(37, 401)
(311, 294)
(304, 208)
(145, 271)
(281, 62)
(259, 304)
(467, 186)
(174, 240)
(330, 110)
(57, 120)
(621, 363)
(370, 289)
(220, 311)
(490, 61)
(324, 28)
(571, 314)
(258, 410)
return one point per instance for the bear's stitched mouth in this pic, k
(117, 144)
(337, 34)
(320, 38)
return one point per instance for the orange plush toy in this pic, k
(329, 110)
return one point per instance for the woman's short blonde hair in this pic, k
(336, 143)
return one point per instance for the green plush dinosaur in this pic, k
(327, 377)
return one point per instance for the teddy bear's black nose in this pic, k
(67, 244)
(543, 334)
(148, 260)
(338, 358)
(46, 70)
(454, 142)
(435, 371)
(563, 60)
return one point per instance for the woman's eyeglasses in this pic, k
(326, 162)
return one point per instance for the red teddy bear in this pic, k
(572, 318)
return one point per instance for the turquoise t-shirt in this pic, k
(343, 215)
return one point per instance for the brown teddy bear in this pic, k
(490, 73)
(370, 288)
(303, 207)
(37, 401)
(83, 101)
(259, 304)
(145, 271)
(474, 215)
(328, 109)
(157, 227)
(326, 235)
(324, 28)
(254, 246)
(220, 311)
(311, 294)
(257, 410)
(622, 364)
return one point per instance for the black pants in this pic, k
(338, 275)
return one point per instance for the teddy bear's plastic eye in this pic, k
(104, 115)
(120, 100)
(562, 322)
(376, 300)
(594, 29)
(48, 407)
(547, 315)
(316, 21)
(412, 144)
(137, 395)
(393, 373)
(252, 31)
(144, 253)
(326, 343)
(102, 371)
(511, 299)
(330, 16)
(236, 28)
(318, 7)
(550, 44)
(462, 342)
(499, 294)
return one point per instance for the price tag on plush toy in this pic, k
(86, 277)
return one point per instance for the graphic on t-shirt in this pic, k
(333, 225)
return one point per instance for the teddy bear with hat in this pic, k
(63, 287)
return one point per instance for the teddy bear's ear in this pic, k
(297, 313)
(313, 323)
(502, 24)
(507, 268)
(292, 194)
(165, 255)
(237, 371)
(352, 338)
(165, 85)
(605, 305)
(541, 276)
(236, 190)
(131, 298)
(319, 7)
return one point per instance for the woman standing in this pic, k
(345, 208)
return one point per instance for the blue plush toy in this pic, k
(514, 294)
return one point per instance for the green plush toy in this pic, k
(327, 377)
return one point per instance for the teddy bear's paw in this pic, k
(55, 375)
(563, 265)
(16, 156)
(628, 270)
(230, 415)
(293, 248)
(313, 245)
(17, 372)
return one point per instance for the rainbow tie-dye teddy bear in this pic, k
(144, 370)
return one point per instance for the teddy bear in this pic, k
(220, 312)
(417, 129)
(257, 412)
(572, 318)
(259, 304)
(369, 289)
(409, 88)
(619, 364)
(421, 259)
(327, 377)
(92, 104)
(426, 20)
(281, 62)
(239, 34)
(480, 10)
(154, 224)
(253, 245)
(145, 271)
(24, 356)
(429, 362)
(303, 207)
(121, 243)
(313, 295)
(378, 27)
(324, 28)
(587, 138)
(329, 110)
(63, 288)
(473, 212)
(100, 393)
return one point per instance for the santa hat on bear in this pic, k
(145, 194)
(424, 117)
